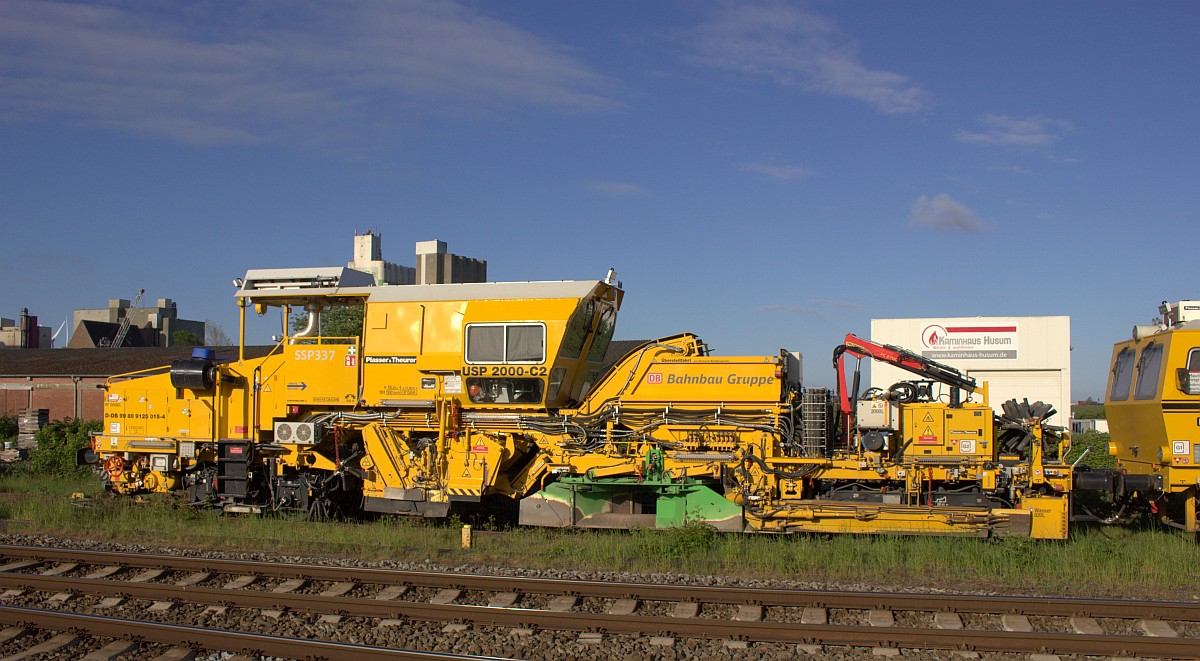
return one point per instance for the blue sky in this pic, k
(763, 174)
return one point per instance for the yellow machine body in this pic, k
(1153, 410)
(464, 395)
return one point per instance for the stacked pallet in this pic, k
(29, 421)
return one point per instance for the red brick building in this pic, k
(69, 382)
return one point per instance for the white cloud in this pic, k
(835, 303)
(818, 307)
(1011, 169)
(1061, 160)
(801, 310)
(617, 189)
(215, 72)
(942, 212)
(802, 49)
(780, 172)
(1008, 131)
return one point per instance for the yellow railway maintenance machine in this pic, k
(411, 416)
(467, 395)
(1153, 410)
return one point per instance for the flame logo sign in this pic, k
(932, 336)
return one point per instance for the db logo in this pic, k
(654, 377)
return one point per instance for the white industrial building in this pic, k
(1019, 357)
(435, 265)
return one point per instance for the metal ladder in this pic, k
(119, 339)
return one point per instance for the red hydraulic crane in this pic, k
(892, 355)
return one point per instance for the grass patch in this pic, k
(1096, 561)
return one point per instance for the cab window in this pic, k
(1149, 368)
(1188, 382)
(505, 391)
(578, 327)
(604, 334)
(1122, 375)
(506, 343)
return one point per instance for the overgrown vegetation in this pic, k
(1130, 562)
(8, 428)
(184, 338)
(57, 444)
(1095, 443)
(1125, 562)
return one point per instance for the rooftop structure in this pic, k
(24, 333)
(368, 258)
(434, 264)
(148, 326)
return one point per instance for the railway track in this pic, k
(245, 605)
(101, 638)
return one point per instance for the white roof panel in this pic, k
(325, 278)
(301, 283)
(476, 291)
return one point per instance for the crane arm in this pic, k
(899, 357)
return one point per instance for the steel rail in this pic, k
(211, 639)
(773, 632)
(957, 603)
